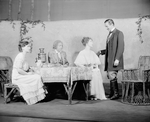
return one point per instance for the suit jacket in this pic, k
(114, 50)
(54, 59)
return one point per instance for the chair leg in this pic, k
(5, 94)
(144, 92)
(123, 90)
(2, 88)
(127, 90)
(148, 93)
(132, 95)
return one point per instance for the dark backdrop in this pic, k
(76, 9)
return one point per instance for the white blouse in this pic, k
(87, 57)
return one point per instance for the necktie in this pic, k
(109, 35)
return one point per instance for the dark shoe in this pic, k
(109, 96)
(114, 97)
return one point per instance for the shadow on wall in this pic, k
(74, 56)
(76, 47)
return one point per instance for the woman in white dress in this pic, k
(87, 57)
(29, 83)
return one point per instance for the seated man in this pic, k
(57, 56)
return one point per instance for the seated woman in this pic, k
(87, 57)
(57, 56)
(29, 83)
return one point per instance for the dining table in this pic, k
(68, 75)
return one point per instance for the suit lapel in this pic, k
(111, 36)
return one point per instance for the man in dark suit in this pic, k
(113, 56)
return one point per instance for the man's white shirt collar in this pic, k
(112, 29)
(58, 53)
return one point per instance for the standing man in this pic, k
(113, 56)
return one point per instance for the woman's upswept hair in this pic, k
(110, 21)
(22, 44)
(55, 44)
(85, 40)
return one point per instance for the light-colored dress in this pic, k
(31, 86)
(88, 57)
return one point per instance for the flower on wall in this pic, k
(24, 29)
(139, 29)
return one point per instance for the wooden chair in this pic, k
(135, 83)
(4, 78)
(6, 65)
(8, 89)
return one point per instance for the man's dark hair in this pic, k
(110, 21)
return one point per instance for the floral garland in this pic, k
(139, 29)
(24, 29)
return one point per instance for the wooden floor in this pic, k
(26, 119)
(58, 110)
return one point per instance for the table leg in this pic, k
(86, 89)
(71, 91)
(68, 90)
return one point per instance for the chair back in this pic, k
(143, 64)
(6, 65)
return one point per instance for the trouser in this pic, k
(112, 76)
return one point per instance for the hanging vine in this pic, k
(139, 29)
(29, 39)
(24, 29)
